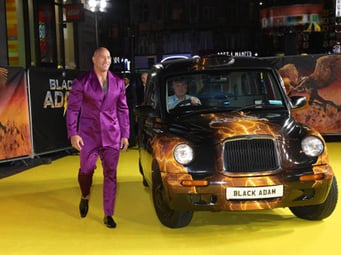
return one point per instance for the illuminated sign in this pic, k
(338, 8)
(121, 64)
(291, 15)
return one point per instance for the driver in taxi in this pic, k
(180, 94)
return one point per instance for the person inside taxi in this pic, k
(180, 87)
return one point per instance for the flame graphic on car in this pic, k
(227, 126)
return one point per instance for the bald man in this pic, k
(98, 126)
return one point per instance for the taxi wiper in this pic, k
(250, 106)
(199, 110)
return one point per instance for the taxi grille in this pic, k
(250, 155)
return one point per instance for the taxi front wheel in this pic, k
(321, 211)
(167, 216)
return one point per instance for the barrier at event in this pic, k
(48, 90)
(32, 111)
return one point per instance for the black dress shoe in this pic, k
(109, 221)
(83, 207)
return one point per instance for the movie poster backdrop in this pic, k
(49, 89)
(15, 135)
(317, 77)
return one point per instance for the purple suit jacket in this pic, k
(103, 119)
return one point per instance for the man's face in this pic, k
(126, 80)
(102, 60)
(180, 88)
(144, 78)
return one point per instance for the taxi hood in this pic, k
(225, 125)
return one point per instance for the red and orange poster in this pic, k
(15, 136)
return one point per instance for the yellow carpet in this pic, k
(39, 215)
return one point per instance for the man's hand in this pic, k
(77, 142)
(195, 101)
(124, 144)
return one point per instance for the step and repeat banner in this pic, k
(317, 77)
(33, 102)
(15, 134)
(49, 89)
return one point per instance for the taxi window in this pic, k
(150, 94)
(229, 89)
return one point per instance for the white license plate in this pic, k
(241, 193)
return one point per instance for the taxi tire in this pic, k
(167, 216)
(321, 211)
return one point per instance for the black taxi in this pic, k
(216, 133)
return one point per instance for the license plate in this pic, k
(241, 193)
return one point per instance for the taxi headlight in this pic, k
(183, 154)
(312, 146)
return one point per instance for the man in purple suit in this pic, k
(97, 122)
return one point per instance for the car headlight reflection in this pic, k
(183, 154)
(312, 146)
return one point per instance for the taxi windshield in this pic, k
(230, 90)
